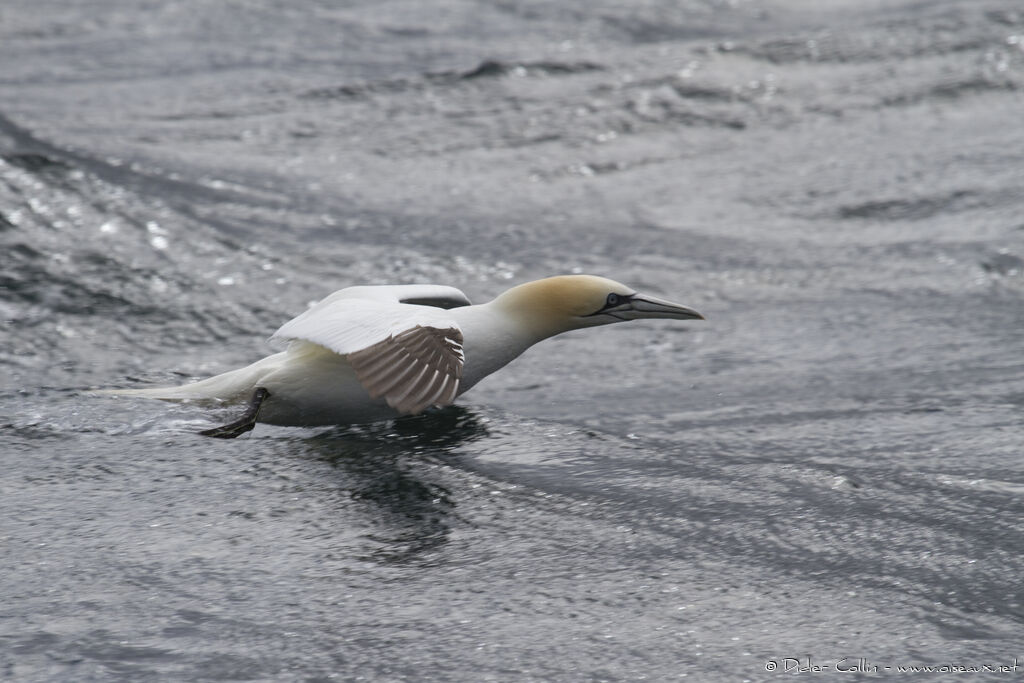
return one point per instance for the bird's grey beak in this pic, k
(646, 306)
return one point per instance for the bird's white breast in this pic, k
(491, 340)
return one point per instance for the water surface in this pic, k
(829, 468)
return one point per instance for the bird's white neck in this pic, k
(497, 332)
(495, 336)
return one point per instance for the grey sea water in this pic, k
(825, 475)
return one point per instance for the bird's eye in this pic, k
(613, 300)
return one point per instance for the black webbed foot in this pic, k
(244, 423)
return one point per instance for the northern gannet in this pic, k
(371, 353)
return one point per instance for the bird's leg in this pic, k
(244, 423)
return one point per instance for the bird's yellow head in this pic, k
(569, 302)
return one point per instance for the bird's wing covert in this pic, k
(409, 355)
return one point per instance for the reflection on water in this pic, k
(382, 467)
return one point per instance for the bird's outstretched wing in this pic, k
(413, 370)
(410, 354)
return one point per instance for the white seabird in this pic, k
(378, 352)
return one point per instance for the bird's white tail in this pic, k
(230, 386)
